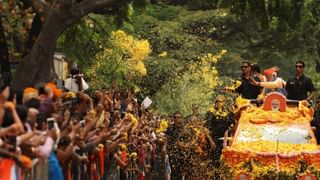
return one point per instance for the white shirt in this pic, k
(71, 85)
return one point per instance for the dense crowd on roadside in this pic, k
(50, 133)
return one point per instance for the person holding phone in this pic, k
(50, 122)
(273, 84)
(246, 89)
(256, 71)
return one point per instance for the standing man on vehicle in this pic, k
(247, 89)
(299, 86)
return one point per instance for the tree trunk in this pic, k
(34, 33)
(37, 66)
(4, 58)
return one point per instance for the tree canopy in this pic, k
(269, 32)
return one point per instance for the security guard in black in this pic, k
(247, 89)
(298, 88)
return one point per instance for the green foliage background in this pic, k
(269, 32)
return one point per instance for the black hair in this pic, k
(300, 62)
(33, 103)
(41, 90)
(41, 119)
(74, 71)
(76, 115)
(95, 99)
(11, 94)
(122, 115)
(246, 62)
(19, 96)
(14, 93)
(64, 141)
(7, 118)
(255, 67)
(22, 112)
(176, 113)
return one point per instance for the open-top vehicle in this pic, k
(274, 141)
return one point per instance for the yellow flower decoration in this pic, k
(100, 146)
(234, 86)
(218, 112)
(70, 95)
(124, 134)
(163, 54)
(123, 147)
(133, 119)
(197, 131)
(241, 101)
(223, 52)
(163, 126)
(134, 155)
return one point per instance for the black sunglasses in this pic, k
(299, 66)
(244, 67)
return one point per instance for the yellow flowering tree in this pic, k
(121, 60)
(198, 84)
(134, 51)
(205, 70)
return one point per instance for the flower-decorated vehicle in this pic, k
(273, 141)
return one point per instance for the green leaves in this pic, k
(16, 23)
(83, 40)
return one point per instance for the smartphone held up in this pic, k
(50, 122)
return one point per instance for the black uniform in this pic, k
(298, 89)
(217, 126)
(248, 90)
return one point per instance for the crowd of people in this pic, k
(50, 133)
(53, 133)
